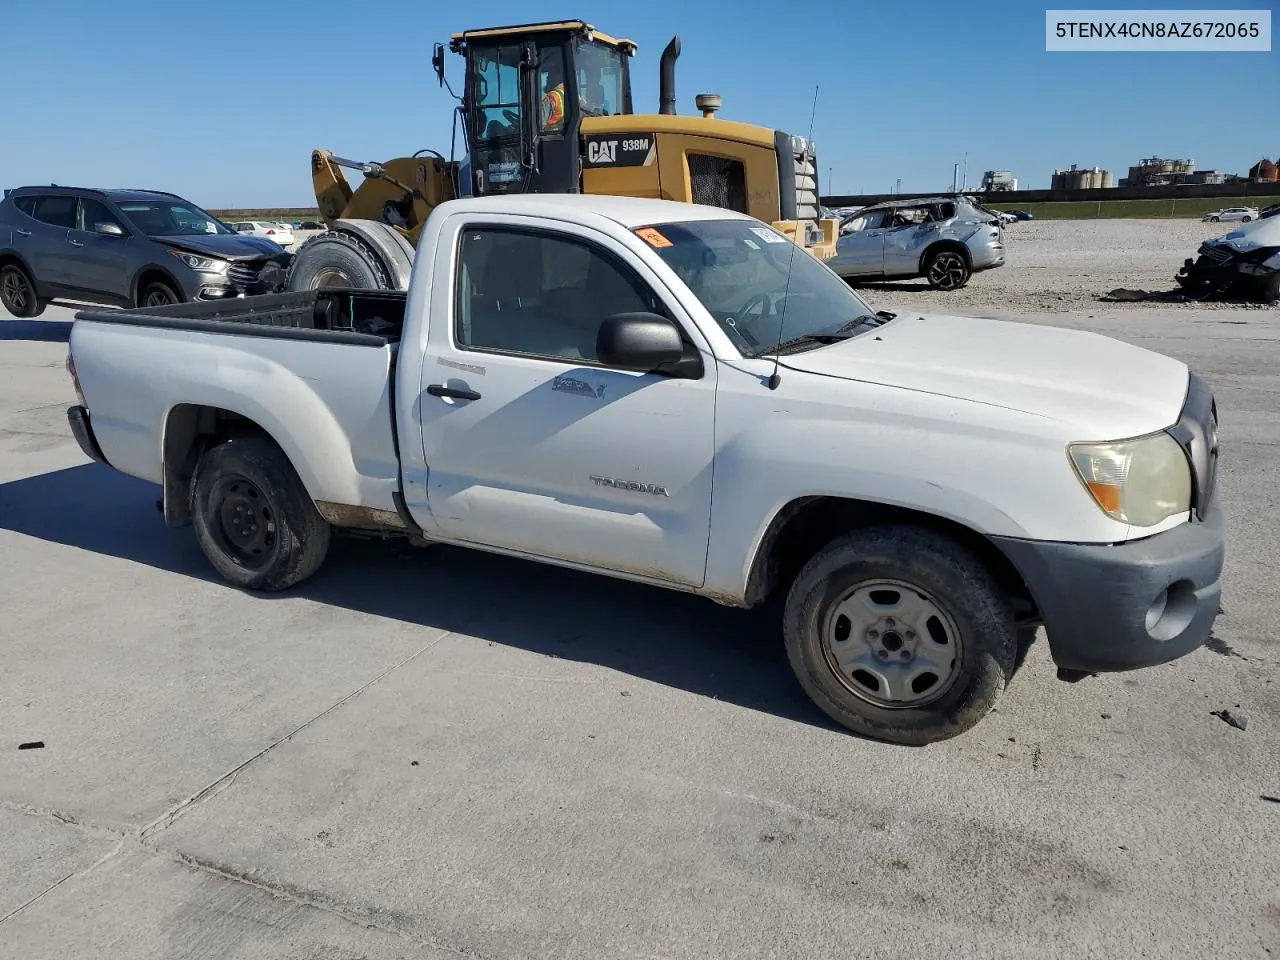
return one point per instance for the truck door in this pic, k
(530, 443)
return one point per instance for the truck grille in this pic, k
(1197, 432)
(718, 182)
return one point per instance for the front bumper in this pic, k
(82, 430)
(1131, 605)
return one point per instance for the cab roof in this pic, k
(458, 40)
(629, 212)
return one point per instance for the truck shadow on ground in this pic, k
(680, 641)
(41, 331)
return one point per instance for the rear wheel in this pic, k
(18, 292)
(946, 270)
(337, 259)
(253, 517)
(900, 634)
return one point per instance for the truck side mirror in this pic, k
(642, 342)
(109, 229)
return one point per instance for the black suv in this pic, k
(128, 248)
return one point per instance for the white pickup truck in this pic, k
(665, 392)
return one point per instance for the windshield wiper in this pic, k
(805, 338)
(846, 331)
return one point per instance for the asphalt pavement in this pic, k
(442, 754)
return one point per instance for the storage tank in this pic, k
(1108, 180)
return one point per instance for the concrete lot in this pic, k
(440, 754)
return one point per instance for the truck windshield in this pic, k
(760, 287)
(159, 218)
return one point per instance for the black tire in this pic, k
(336, 258)
(946, 269)
(157, 293)
(1271, 289)
(1246, 218)
(981, 629)
(18, 292)
(253, 517)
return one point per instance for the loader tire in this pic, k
(253, 517)
(337, 259)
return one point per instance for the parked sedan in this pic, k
(1232, 214)
(277, 232)
(943, 239)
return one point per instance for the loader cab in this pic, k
(526, 91)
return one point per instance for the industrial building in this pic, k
(1075, 178)
(1264, 171)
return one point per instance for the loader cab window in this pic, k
(602, 79)
(494, 79)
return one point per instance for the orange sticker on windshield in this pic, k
(653, 237)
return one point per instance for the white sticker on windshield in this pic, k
(767, 235)
(751, 243)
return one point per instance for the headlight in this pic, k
(1140, 481)
(202, 264)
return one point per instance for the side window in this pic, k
(551, 90)
(495, 75)
(26, 204)
(57, 211)
(539, 294)
(92, 212)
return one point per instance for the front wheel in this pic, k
(946, 270)
(900, 634)
(253, 517)
(157, 293)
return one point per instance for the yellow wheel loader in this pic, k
(546, 108)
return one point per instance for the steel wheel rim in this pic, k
(892, 645)
(947, 270)
(242, 522)
(15, 292)
(331, 277)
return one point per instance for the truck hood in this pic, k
(237, 247)
(1103, 387)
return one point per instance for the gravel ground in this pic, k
(1061, 266)
(442, 754)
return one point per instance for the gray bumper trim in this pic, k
(1096, 601)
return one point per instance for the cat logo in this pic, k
(602, 151)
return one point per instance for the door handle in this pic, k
(440, 390)
(24, 233)
(75, 243)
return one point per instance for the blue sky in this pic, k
(223, 102)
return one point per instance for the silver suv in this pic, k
(943, 239)
(128, 248)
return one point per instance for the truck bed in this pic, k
(359, 317)
(312, 369)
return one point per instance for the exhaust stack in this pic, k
(667, 77)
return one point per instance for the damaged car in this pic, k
(945, 240)
(1243, 264)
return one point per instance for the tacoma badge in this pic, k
(656, 489)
